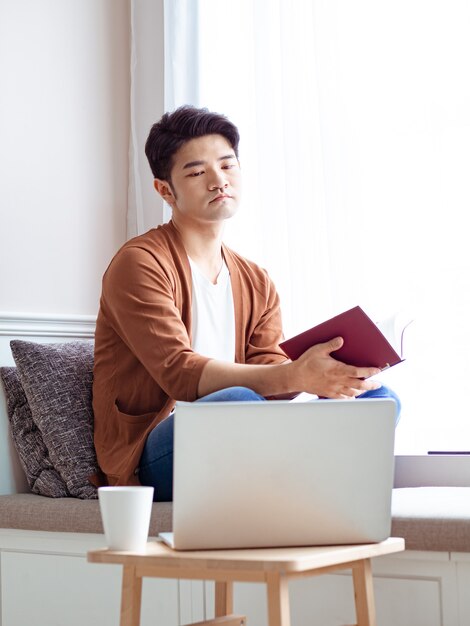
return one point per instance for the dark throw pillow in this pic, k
(42, 478)
(57, 380)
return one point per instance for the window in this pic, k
(355, 126)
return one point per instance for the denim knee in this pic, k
(233, 394)
(384, 392)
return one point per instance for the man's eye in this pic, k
(193, 174)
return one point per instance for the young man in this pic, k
(183, 317)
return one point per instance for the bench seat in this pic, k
(432, 518)
(27, 511)
(428, 518)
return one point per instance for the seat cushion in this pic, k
(28, 511)
(432, 518)
(428, 518)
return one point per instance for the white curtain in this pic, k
(244, 66)
(355, 135)
(147, 105)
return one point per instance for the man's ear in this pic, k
(163, 187)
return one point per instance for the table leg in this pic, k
(131, 597)
(278, 600)
(223, 598)
(364, 593)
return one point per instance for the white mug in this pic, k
(125, 512)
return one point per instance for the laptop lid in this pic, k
(278, 473)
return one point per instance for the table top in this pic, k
(296, 559)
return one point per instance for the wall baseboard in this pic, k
(41, 325)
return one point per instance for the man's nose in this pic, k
(217, 180)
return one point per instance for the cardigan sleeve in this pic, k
(139, 300)
(265, 327)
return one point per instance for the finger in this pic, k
(359, 392)
(332, 345)
(338, 396)
(344, 369)
(344, 393)
(347, 392)
(363, 372)
(365, 385)
(350, 392)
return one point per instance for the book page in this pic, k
(393, 328)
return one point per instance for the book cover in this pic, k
(364, 344)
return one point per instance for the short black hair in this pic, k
(177, 128)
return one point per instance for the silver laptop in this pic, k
(279, 473)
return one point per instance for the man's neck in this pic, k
(204, 246)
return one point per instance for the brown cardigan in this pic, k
(143, 356)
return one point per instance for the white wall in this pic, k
(64, 129)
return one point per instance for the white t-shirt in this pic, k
(213, 324)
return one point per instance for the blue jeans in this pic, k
(156, 462)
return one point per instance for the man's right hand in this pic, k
(316, 372)
(321, 374)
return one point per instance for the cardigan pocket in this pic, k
(135, 419)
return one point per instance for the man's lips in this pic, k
(221, 196)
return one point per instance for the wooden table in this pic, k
(274, 566)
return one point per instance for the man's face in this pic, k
(205, 181)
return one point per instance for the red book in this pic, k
(364, 344)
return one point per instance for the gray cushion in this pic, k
(57, 381)
(30, 512)
(42, 478)
(432, 518)
(429, 518)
